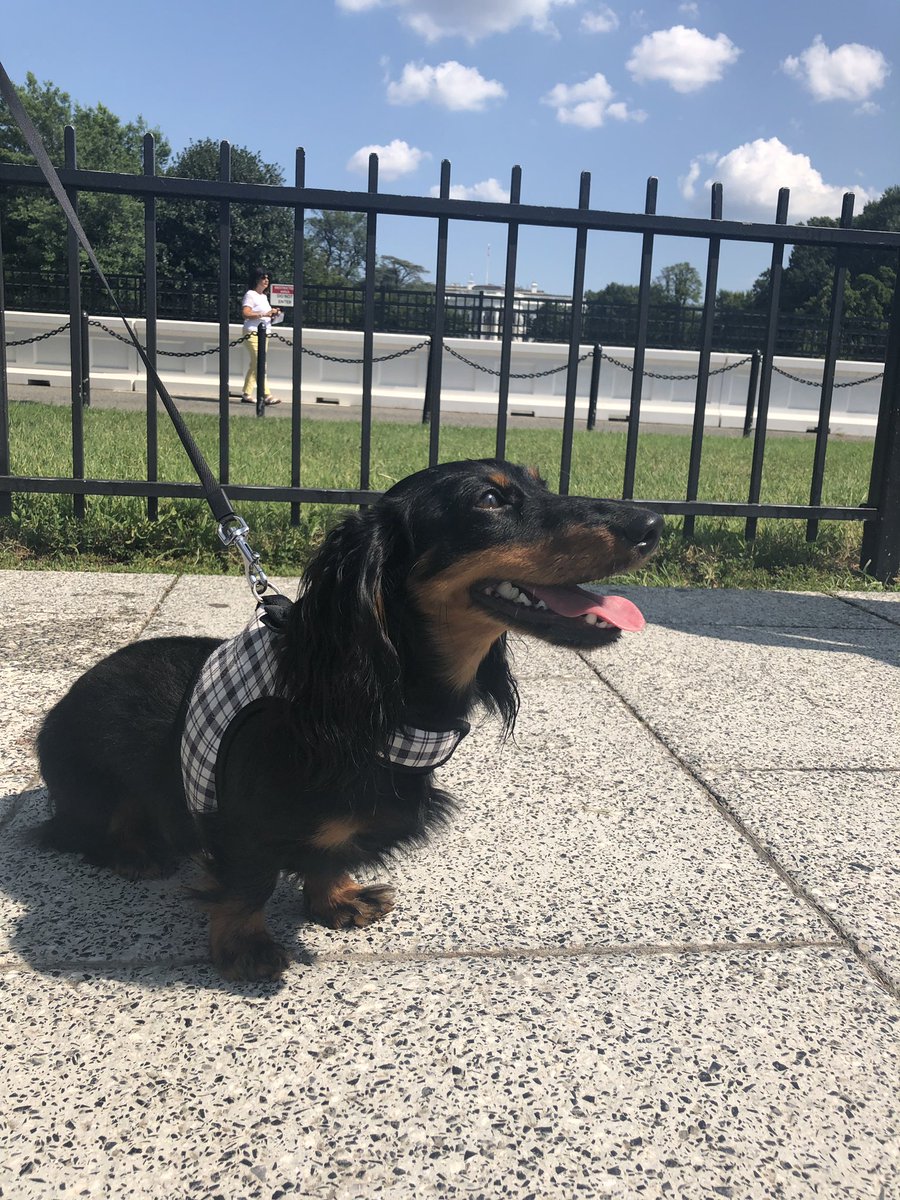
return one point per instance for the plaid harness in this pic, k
(244, 669)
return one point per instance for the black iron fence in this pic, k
(474, 313)
(880, 513)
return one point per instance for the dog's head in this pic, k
(491, 549)
(422, 586)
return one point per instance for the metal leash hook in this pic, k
(232, 532)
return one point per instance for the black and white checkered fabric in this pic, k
(422, 749)
(244, 669)
(235, 674)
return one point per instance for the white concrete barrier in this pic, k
(400, 382)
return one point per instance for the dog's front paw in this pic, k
(255, 957)
(349, 905)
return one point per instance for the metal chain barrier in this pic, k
(817, 383)
(513, 375)
(40, 337)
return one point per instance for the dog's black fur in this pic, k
(392, 626)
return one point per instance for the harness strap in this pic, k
(231, 527)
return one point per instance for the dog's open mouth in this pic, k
(572, 614)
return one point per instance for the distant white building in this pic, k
(483, 303)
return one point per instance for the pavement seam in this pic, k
(848, 600)
(521, 953)
(881, 978)
(155, 608)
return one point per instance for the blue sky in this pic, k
(756, 94)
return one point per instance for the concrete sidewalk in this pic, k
(657, 953)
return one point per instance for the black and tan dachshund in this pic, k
(398, 633)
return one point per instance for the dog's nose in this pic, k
(645, 530)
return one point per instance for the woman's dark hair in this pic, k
(256, 274)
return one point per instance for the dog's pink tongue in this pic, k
(575, 602)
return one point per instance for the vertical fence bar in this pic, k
(752, 386)
(224, 310)
(765, 382)
(84, 332)
(881, 538)
(640, 346)
(76, 374)
(150, 313)
(565, 466)
(509, 315)
(297, 345)
(262, 353)
(706, 332)
(5, 497)
(596, 364)
(365, 440)
(436, 359)
(832, 346)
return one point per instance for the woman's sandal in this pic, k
(271, 400)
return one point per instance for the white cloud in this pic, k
(488, 189)
(602, 21)
(471, 19)
(395, 159)
(450, 84)
(851, 72)
(589, 104)
(684, 58)
(689, 9)
(751, 175)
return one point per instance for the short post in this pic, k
(261, 334)
(85, 361)
(596, 363)
(426, 406)
(751, 392)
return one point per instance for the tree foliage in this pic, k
(34, 227)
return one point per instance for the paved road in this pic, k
(657, 953)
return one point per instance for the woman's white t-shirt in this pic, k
(259, 302)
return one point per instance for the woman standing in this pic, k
(257, 311)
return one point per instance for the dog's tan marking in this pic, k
(336, 832)
(499, 480)
(230, 924)
(464, 633)
(341, 903)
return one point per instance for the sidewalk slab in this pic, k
(733, 697)
(683, 1075)
(837, 833)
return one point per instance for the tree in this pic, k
(34, 227)
(398, 273)
(338, 240)
(188, 230)
(680, 284)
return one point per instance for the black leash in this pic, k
(232, 528)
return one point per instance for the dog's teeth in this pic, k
(507, 591)
(604, 624)
(540, 604)
(591, 618)
(521, 598)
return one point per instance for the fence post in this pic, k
(85, 362)
(596, 364)
(751, 393)
(261, 334)
(426, 405)
(880, 554)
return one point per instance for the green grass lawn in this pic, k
(116, 532)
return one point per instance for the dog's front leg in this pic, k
(338, 901)
(240, 945)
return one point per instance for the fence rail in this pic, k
(439, 313)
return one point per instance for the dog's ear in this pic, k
(341, 668)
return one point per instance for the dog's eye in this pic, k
(491, 499)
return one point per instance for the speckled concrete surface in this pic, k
(655, 954)
(676, 1075)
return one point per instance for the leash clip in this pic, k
(232, 532)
